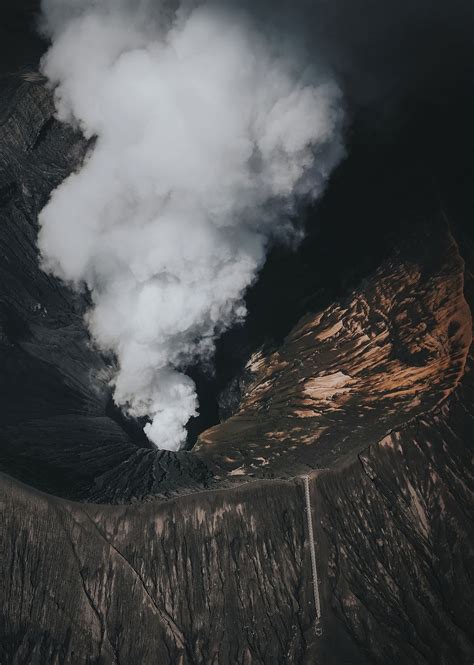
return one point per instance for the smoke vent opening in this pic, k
(132, 426)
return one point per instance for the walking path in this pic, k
(309, 517)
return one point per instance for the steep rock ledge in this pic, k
(393, 350)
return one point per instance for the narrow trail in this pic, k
(309, 517)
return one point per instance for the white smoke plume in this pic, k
(207, 134)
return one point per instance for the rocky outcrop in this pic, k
(392, 350)
(113, 552)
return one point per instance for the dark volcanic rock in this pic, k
(207, 559)
(393, 349)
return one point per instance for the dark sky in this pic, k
(19, 44)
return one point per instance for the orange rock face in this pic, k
(395, 348)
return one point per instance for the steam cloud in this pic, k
(207, 134)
